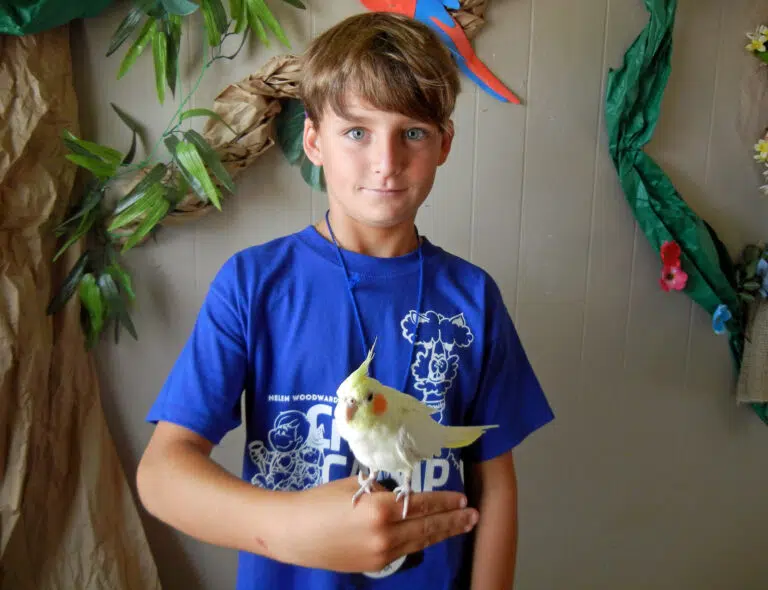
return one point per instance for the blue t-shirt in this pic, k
(278, 327)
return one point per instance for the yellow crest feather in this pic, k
(360, 374)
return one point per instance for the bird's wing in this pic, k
(406, 447)
(419, 437)
(403, 402)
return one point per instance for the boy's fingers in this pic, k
(428, 503)
(416, 534)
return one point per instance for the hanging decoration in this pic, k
(28, 17)
(434, 14)
(687, 244)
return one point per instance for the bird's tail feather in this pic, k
(463, 436)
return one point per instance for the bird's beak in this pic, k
(351, 409)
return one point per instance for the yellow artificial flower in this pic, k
(761, 147)
(757, 39)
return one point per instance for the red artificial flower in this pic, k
(673, 278)
(670, 254)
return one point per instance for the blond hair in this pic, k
(390, 61)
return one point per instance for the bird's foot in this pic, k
(366, 485)
(403, 491)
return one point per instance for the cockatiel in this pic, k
(388, 430)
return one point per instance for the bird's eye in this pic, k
(370, 397)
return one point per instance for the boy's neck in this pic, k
(372, 241)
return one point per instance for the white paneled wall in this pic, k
(650, 477)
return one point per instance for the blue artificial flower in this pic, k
(721, 316)
(762, 272)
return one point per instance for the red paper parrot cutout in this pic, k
(434, 14)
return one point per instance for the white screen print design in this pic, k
(293, 458)
(437, 362)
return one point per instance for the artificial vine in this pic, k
(112, 225)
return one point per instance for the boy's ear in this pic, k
(445, 143)
(311, 142)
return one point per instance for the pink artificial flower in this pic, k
(670, 254)
(673, 278)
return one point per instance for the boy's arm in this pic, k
(495, 553)
(181, 485)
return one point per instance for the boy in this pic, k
(285, 322)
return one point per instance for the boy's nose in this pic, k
(388, 157)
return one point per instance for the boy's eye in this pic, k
(356, 133)
(415, 133)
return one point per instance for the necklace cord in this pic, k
(358, 317)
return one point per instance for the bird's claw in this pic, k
(403, 491)
(366, 486)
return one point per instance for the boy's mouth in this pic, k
(385, 191)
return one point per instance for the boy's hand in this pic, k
(323, 530)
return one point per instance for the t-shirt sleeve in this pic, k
(509, 393)
(202, 391)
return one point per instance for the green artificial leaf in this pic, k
(94, 165)
(191, 166)
(76, 148)
(179, 7)
(219, 14)
(211, 159)
(313, 175)
(173, 30)
(122, 277)
(751, 253)
(171, 141)
(106, 154)
(131, 151)
(86, 222)
(134, 126)
(289, 127)
(160, 58)
(155, 214)
(69, 285)
(90, 296)
(257, 8)
(212, 22)
(125, 29)
(205, 113)
(258, 28)
(751, 269)
(138, 207)
(296, 3)
(115, 305)
(145, 36)
(237, 11)
(152, 178)
(92, 198)
(150, 7)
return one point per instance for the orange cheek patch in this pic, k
(379, 404)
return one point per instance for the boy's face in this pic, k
(379, 166)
